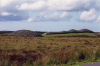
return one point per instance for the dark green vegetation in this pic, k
(49, 50)
(47, 33)
(20, 32)
(2, 32)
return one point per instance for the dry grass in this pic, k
(50, 50)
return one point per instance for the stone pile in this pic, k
(25, 33)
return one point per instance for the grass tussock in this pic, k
(46, 51)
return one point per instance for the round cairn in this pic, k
(25, 33)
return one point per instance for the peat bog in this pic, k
(55, 49)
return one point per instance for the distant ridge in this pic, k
(71, 31)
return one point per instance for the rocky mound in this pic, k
(70, 31)
(25, 33)
(86, 31)
(80, 31)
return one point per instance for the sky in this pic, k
(49, 15)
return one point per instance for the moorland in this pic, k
(50, 50)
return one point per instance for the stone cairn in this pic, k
(25, 33)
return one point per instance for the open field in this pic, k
(71, 34)
(50, 49)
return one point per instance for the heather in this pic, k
(48, 50)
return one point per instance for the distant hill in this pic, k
(60, 32)
(71, 31)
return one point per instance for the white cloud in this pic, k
(30, 20)
(15, 15)
(88, 15)
(35, 6)
(69, 4)
(45, 16)
(5, 13)
(20, 7)
(64, 14)
(4, 3)
(98, 19)
(52, 17)
(36, 18)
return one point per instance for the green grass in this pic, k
(71, 34)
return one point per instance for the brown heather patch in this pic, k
(42, 50)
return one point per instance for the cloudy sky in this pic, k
(49, 15)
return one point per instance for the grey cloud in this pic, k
(10, 18)
(23, 15)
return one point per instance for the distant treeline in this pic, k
(2, 32)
